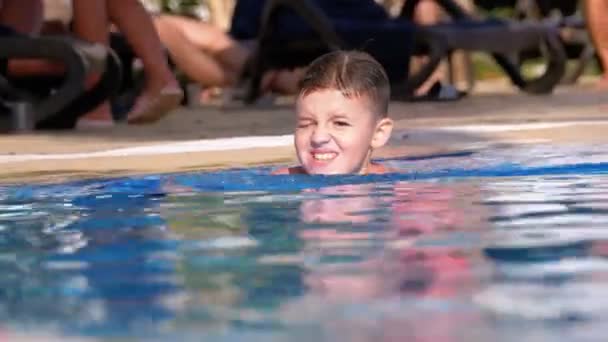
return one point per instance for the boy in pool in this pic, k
(342, 115)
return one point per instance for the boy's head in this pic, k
(342, 113)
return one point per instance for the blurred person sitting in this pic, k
(25, 17)
(596, 12)
(211, 57)
(22, 16)
(214, 58)
(91, 23)
(161, 91)
(246, 24)
(428, 12)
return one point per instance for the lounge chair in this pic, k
(391, 42)
(566, 17)
(277, 47)
(54, 102)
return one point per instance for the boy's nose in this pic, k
(320, 136)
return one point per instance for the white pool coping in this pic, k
(495, 128)
(249, 142)
(205, 145)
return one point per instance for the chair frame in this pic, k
(436, 41)
(431, 43)
(69, 99)
(503, 49)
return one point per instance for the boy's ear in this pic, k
(384, 128)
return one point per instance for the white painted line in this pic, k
(165, 148)
(490, 128)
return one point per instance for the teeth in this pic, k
(324, 156)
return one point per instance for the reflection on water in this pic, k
(240, 255)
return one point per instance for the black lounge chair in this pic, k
(279, 48)
(505, 40)
(391, 42)
(566, 17)
(55, 102)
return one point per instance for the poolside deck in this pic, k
(186, 139)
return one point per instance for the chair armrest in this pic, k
(54, 49)
(78, 57)
(108, 86)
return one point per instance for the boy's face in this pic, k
(335, 134)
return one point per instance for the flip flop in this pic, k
(149, 110)
(440, 93)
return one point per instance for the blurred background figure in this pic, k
(92, 21)
(428, 13)
(596, 12)
(23, 16)
(203, 51)
(209, 56)
(161, 92)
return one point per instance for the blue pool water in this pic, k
(502, 244)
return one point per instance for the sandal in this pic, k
(440, 93)
(151, 109)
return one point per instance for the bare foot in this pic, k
(207, 95)
(602, 84)
(282, 81)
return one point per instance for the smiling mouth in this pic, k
(324, 156)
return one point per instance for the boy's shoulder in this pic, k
(295, 170)
(298, 170)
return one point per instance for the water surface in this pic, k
(497, 245)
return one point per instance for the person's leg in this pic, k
(136, 25)
(91, 23)
(284, 81)
(161, 91)
(196, 63)
(596, 12)
(212, 40)
(427, 12)
(24, 16)
(212, 58)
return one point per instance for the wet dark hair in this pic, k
(354, 73)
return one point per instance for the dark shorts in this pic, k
(362, 24)
(247, 13)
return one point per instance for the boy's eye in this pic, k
(341, 123)
(304, 124)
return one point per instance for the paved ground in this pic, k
(185, 140)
